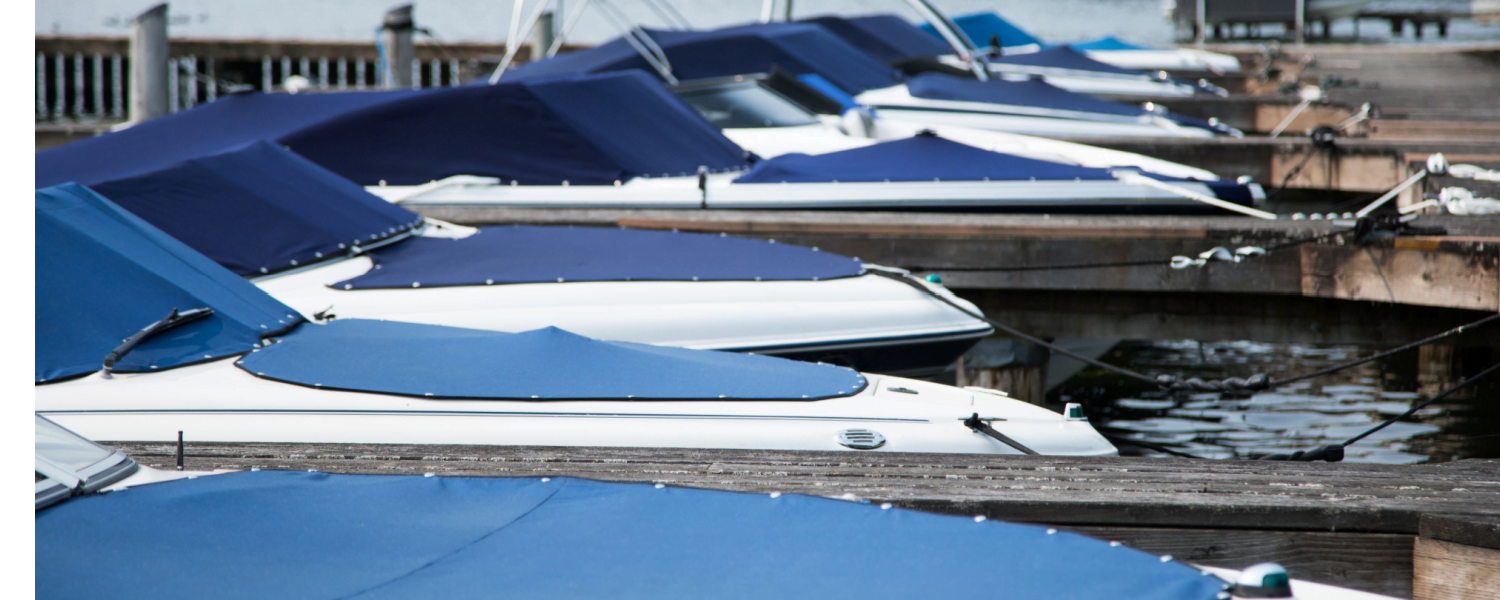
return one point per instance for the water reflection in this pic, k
(1299, 416)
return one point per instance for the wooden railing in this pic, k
(84, 79)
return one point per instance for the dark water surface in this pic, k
(1299, 416)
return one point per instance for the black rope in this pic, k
(1170, 382)
(1127, 263)
(1311, 151)
(1378, 356)
(1013, 331)
(978, 425)
(1117, 440)
(1418, 407)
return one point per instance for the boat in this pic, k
(207, 352)
(776, 113)
(179, 534)
(909, 47)
(985, 28)
(324, 246)
(1029, 106)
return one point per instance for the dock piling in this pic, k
(148, 64)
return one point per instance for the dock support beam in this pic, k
(148, 64)
(546, 34)
(395, 35)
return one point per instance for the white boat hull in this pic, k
(897, 103)
(867, 315)
(218, 402)
(1168, 59)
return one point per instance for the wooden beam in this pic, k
(1404, 275)
(1380, 563)
(1450, 571)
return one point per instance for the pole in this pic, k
(148, 64)
(396, 34)
(1200, 19)
(1301, 22)
(546, 32)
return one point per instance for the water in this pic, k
(1138, 21)
(1299, 416)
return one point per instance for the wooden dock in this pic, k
(1363, 526)
(1460, 270)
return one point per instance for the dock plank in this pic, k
(1114, 491)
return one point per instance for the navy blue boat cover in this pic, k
(206, 129)
(594, 129)
(409, 359)
(1031, 92)
(253, 535)
(102, 275)
(797, 48)
(982, 26)
(501, 255)
(920, 158)
(259, 208)
(887, 37)
(1062, 57)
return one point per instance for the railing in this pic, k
(86, 79)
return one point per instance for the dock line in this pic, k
(1134, 178)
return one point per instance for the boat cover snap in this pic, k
(259, 208)
(523, 254)
(429, 361)
(919, 158)
(102, 274)
(283, 534)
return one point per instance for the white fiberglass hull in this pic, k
(897, 103)
(875, 317)
(1168, 59)
(219, 402)
(719, 192)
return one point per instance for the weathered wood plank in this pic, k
(1470, 530)
(1403, 275)
(1448, 571)
(1080, 491)
(1372, 562)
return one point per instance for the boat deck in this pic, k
(1348, 524)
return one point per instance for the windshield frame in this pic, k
(59, 482)
(735, 84)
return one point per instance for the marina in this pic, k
(1228, 302)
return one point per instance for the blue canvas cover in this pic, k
(102, 275)
(206, 129)
(1062, 57)
(259, 208)
(1107, 43)
(280, 534)
(407, 359)
(1030, 92)
(517, 254)
(887, 37)
(982, 26)
(797, 48)
(587, 130)
(920, 158)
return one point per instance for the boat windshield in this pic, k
(746, 105)
(67, 463)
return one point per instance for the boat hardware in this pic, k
(171, 320)
(979, 425)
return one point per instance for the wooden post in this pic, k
(1015, 367)
(546, 33)
(395, 35)
(1200, 28)
(148, 64)
(1301, 23)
